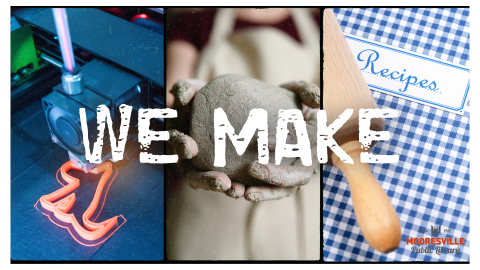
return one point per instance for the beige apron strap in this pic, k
(307, 29)
(222, 27)
(223, 24)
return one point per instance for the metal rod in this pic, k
(51, 60)
(63, 33)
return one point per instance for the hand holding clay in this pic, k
(288, 178)
(266, 182)
(186, 148)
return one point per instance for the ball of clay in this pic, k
(237, 95)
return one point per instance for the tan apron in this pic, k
(264, 53)
(206, 225)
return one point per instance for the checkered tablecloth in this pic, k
(430, 184)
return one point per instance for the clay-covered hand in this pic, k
(186, 148)
(287, 179)
(284, 180)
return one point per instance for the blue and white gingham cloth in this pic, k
(430, 184)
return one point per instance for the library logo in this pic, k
(435, 231)
(435, 243)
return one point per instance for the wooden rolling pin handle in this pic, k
(375, 214)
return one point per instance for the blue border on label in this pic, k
(423, 58)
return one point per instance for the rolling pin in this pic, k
(346, 88)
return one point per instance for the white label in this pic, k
(412, 76)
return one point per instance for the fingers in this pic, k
(196, 178)
(195, 82)
(308, 92)
(309, 114)
(182, 145)
(236, 191)
(214, 181)
(265, 193)
(285, 175)
(184, 90)
(281, 175)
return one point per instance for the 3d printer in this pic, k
(96, 56)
